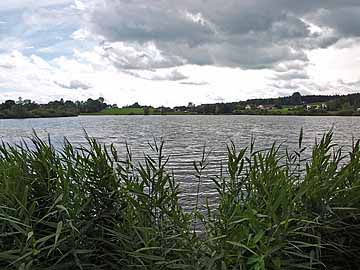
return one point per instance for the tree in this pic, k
(219, 108)
(296, 99)
(135, 105)
(9, 103)
(101, 99)
(20, 101)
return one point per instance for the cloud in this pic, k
(138, 56)
(75, 84)
(290, 65)
(158, 75)
(342, 19)
(292, 75)
(195, 83)
(247, 34)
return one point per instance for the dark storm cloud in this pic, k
(345, 20)
(249, 34)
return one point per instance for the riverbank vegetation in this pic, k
(90, 207)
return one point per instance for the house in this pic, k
(321, 107)
(317, 107)
(247, 107)
(260, 107)
(180, 109)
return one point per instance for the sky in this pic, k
(171, 52)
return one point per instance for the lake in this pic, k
(185, 136)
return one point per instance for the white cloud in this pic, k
(331, 64)
(81, 34)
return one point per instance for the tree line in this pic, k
(26, 108)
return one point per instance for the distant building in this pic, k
(317, 107)
(247, 107)
(180, 109)
(265, 107)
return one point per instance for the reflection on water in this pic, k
(185, 136)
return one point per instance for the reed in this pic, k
(83, 207)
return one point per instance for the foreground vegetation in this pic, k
(85, 208)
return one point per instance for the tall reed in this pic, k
(84, 207)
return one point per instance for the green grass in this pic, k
(121, 111)
(86, 208)
(280, 111)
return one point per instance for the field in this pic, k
(86, 208)
(121, 111)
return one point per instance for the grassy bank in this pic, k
(85, 208)
(121, 111)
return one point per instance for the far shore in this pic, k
(188, 114)
(250, 113)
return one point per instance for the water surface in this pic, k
(185, 136)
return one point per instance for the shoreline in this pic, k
(185, 114)
(255, 114)
(38, 117)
